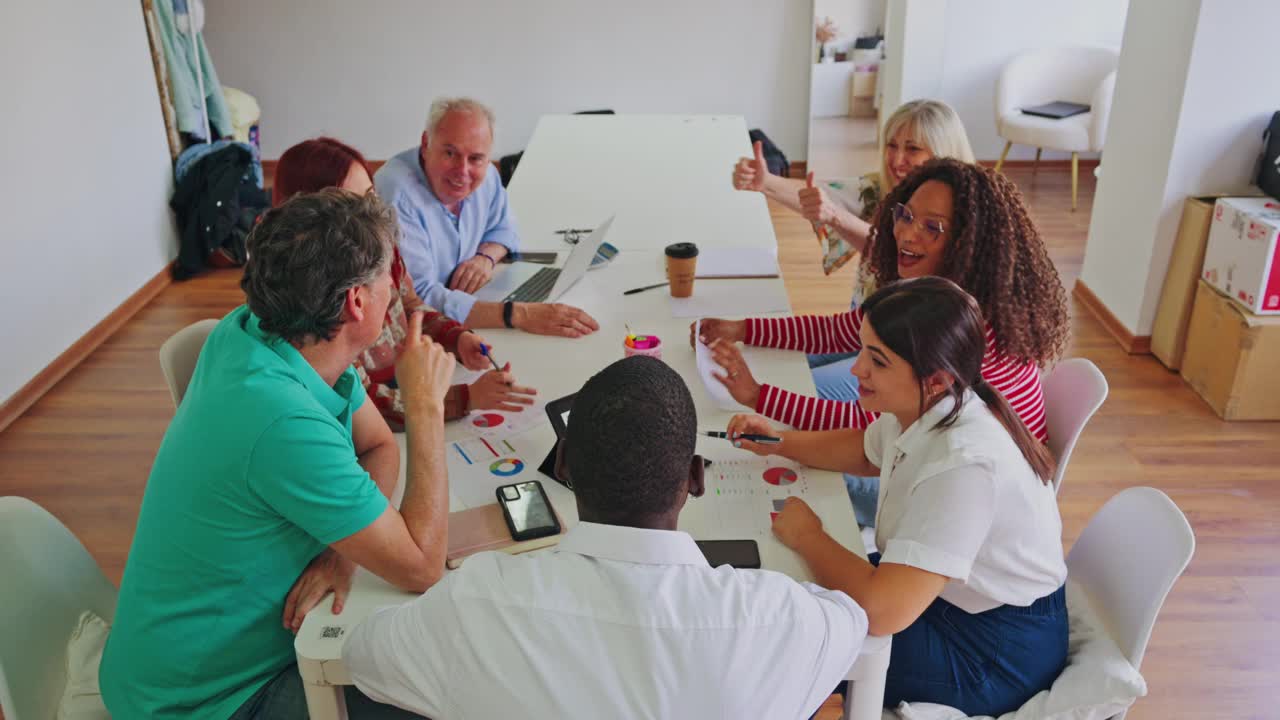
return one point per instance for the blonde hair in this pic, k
(934, 125)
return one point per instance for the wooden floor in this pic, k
(84, 451)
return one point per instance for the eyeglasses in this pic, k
(933, 228)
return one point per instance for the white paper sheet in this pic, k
(706, 366)
(732, 298)
(721, 262)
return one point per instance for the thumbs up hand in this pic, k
(750, 173)
(815, 206)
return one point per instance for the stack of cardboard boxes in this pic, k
(1219, 315)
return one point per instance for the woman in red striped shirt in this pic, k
(951, 219)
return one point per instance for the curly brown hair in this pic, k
(994, 252)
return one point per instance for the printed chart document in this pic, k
(478, 466)
(743, 496)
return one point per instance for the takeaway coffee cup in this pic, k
(682, 265)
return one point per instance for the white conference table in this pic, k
(668, 178)
(558, 367)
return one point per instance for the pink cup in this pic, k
(646, 345)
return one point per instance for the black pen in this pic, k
(633, 291)
(752, 437)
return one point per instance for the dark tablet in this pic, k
(558, 414)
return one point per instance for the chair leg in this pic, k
(1075, 178)
(1000, 162)
(1036, 167)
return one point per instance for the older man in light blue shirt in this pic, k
(456, 223)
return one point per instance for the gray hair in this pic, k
(306, 254)
(445, 105)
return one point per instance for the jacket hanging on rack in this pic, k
(217, 202)
(174, 18)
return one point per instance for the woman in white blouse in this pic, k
(970, 582)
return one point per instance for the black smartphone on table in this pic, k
(736, 553)
(527, 511)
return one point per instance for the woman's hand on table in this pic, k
(714, 329)
(796, 524)
(752, 425)
(470, 352)
(496, 390)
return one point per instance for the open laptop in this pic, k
(527, 282)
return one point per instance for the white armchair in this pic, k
(1085, 75)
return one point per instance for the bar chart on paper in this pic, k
(479, 465)
(743, 496)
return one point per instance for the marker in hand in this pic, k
(817, 227)
(752, 437)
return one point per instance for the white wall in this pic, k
(366, 72)
(1193, 94)
(954, 51)
(84, 219)
(914, 49)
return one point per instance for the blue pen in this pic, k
(484, 350)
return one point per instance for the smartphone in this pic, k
(736, 553)
(527, 511)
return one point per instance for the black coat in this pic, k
(217, 202)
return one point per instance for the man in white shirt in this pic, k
(625, 618)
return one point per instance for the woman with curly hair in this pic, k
(950, 219)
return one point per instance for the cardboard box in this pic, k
(1173, 314)
(1240, 258)
(1233, 358)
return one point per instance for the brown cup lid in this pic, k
(682, 251)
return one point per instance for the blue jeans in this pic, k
(833, 377)
(988, 663)
(282, 698)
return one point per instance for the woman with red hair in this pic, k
(323, 162)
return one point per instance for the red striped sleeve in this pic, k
(1018, 382)
(815, 334)
(810, 413)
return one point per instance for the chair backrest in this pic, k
(1060, 73)
(49, 580)
(178, 356)
(1127, 560)
(1073, 392)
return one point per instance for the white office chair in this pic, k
(1085, 75)
(1127, 560)
(1073, 392)
(178, 356)
(49, 580)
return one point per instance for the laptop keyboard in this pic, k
(536, 288)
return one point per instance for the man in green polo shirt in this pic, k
(272, 480)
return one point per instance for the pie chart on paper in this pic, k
(779, 476)
(488, 420)
(506, 467)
